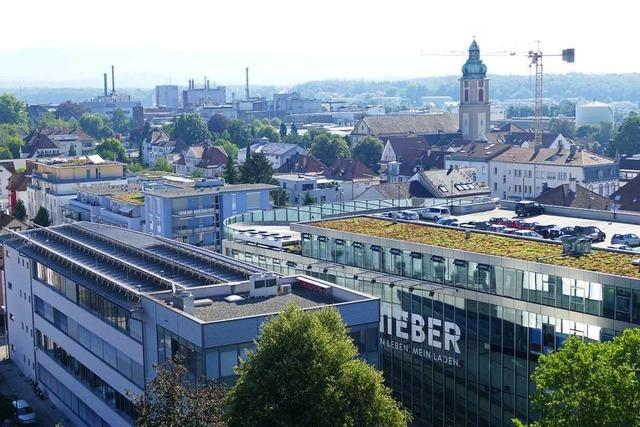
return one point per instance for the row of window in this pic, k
(85, 375)
(96, 345)
(70, 400)
(588, 297)
(106, 310)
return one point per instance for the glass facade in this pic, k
(452, 359)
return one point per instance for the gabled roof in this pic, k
(18, 182)
(212, 157)
(35, 142)
(582, 198)
(522, 137)
(552, 156)
(630, 162)
(158, 136)
(478, 151)
(349, 170)
(452, 182)
(74, 131)
(302, 163)
(510, 127)
(273, 148)
(6, 220)
(627, 197)
(418, 124)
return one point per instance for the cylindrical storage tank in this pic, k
(593, 113)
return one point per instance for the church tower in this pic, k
(474, 108)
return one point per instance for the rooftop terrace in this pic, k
(599, 260)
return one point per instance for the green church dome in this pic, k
(474, 68)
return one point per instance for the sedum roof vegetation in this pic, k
(489, 244)
(136, 198)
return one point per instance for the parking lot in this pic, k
(610, 228)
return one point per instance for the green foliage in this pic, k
(42, 217)
(587, 131)
(170, 400)
(229, 147)
(283, 130)
(369, 151)
(294, 129)
(10, 138)
(112, 149)
(328, 148)
(19, 211)
(135, 167)
(5, 154)
(305, 372)
(162, 165)
(563, 126)
(119, 122)
(12, 110)
(280, 197)
(627, 139)
(190, 128)
(239, 133)
(197, 173)
(594, 384)
(308, 199)
(217, 123)
(268, 131)
(94, 125)
(50, 120)
(72, 150)
(69, 111)
(230, 174)
(256, 169)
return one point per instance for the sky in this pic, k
(70, 43)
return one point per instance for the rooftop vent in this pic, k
(263, 285)
(576, 246)
(183, 300)
(233, 298)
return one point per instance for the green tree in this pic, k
(42, 217)
(305, 371)
(5, 153)
(12, 110)
(256, 169)
(135, 167)
(308, 199)
(190, 128)
(605, 133)
(230, 174)
(594, 384)
(94, 125)
(197, 173)
(627, 139)
(11, 139)
(229, 147)
(280, 197)
(369, 151)
(217, 124)
(69, 111)
(329, 148)
(270, 132)
(563, 126)
(119, 122)
(239, 133)
(72, 150)
(171, 400)
(294, 129)
(283, 130)
(162, 165)
(19, 210)
(112, 149)
(587, 131)
(50, 120)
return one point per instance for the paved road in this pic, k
(14, 382)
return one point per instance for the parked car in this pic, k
(496, 228)
(482, 225)
(24, 412)
(527, 233)
(509, 231)
(569, 231)
(468, 225)
(628, 239)
(498, 220)
(447, 221)
(591, 231)
(410, 215)
(554, 233)
(434, 214)
(623, 248)
(529, 208)
(543, 229)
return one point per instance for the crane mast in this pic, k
(536, 61)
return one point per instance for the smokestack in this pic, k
(106, 89)
(207, 84)
(113, 79)
(246, 89)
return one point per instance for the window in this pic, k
(466, 95)
(481, 95)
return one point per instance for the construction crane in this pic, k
(535, 58)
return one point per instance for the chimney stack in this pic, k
(246, 89)
(572, 185)
(113, 79)
(106, 88)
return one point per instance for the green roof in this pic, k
(599, 260)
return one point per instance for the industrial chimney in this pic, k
(246, 89)
(105, 85)
(113, 79)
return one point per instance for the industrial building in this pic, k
(465, 314)
(91, 308)
(594, 113)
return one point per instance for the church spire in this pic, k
(474, 68)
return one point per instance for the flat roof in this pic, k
(194, 191)
(598, 260)
(247, 307)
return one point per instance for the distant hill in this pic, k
(604, 87)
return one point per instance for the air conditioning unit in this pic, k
(285, 289)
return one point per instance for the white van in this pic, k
(434, 214)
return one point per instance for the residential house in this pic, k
(476, 155)
(524, 173)
(160, 145)
(392, 191)
(276, 152)
(37, 145)
(402, 157)
(65, 138)
(450, 183)
(8, 168)
(627, 197)
(403, 125)
(208, 159)
(573, 195)
(629, 168)
(354, 175)
(54, 181)
(319, 188)
(302, 163)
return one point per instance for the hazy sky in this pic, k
(72, 42)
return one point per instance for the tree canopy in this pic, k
(190, 129)
(112, 149)
(627, 139)
(590, 384)
(256, 169)
(229, 147)
(217, 123)
(305, 371)
(328, 148)
(369, 151)
(19, 211)
(563, 126)
(95, 125)
(12, 110)
(11, 140)
(119, 122)
(42, 217)
(162, 165)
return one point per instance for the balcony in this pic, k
(196, 212)
(184, 230)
